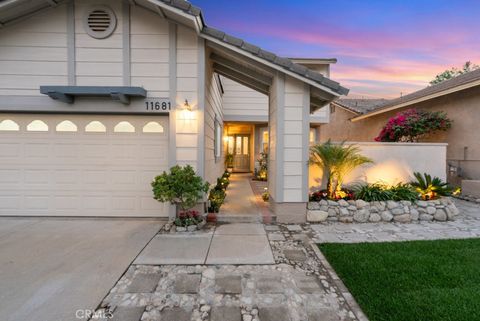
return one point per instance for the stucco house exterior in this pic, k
(98, 97)
(362, 119)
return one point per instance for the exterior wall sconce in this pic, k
(187, 106)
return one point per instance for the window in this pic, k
(37, 126)
(9, 125)
(153, 127)
(124, 127)
(265, 141)
(66, 126)
(230, 144)
(95, 127)
(217, 139)
(313, 136)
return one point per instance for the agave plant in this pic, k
(337, 161)
(429, 188)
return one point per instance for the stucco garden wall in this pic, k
(393, 163)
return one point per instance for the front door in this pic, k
(241, 153)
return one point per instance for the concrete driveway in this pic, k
(50, 268)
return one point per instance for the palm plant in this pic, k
(429, 187)
(337, 161)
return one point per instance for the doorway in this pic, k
(239, 146)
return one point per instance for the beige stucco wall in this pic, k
(393, 163)
(463, 141)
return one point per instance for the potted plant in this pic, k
(216, 197)
(182, 187)
(229, 162)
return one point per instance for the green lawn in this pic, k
(406, 281)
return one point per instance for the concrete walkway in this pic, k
(235, 243)
(52, 268)
(240, 200)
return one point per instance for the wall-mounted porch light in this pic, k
(187, 106)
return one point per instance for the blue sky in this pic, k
(383, 48)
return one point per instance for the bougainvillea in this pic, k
(412, 124)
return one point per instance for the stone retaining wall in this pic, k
(398, 211)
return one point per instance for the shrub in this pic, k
(404, 192)
(181, 186)
(337, 160)
(410, 125)
(261, 173)
(430, 188)
(188, 218)
(216, 198)
(382, 192)
(323, 195)
(372, 192)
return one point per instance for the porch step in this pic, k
(247, 218)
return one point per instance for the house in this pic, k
(98, 97)
(362, 119)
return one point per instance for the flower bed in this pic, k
(359, 211)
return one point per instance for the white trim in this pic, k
(418, 100)
(271, 65)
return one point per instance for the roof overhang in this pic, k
(67, 94)
(417, 100)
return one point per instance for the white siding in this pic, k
(214, 167)
(272, 137)
(149, 52)
(239, 100)
(187, 123)
(293, 139)
(34, 53)
(90, 70)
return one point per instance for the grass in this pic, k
(411, 281)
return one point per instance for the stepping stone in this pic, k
(240, 249)
(276, 237)
(294, 228)
(228, 284)
(176, 249)
(143, 283)
(225, 314)
(308, 284)
(127, 314)
(295, 255)
(187, 283)
(269, 285)
(175, 314)
(273, 314)
(323, 315)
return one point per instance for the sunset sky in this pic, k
(383, 47)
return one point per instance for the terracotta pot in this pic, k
(212, 217)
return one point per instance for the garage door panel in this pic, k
(81, 173)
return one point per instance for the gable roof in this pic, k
(361, 105)
(11, 10)
(462, 82)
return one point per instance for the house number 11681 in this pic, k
(158, 106)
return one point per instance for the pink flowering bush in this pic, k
(412, 124)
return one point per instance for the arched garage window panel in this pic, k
(9, 125)
(153, 127)
(95, 127)
(37, 126)
(124, 127)
(66, 126)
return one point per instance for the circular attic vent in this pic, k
(100, 22)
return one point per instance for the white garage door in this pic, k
(81, 165)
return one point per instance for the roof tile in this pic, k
(250, 48)
(270, 56)
(233, 40)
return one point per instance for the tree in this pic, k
(337, 161)
(453, 72)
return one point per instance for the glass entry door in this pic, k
(241, 153)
